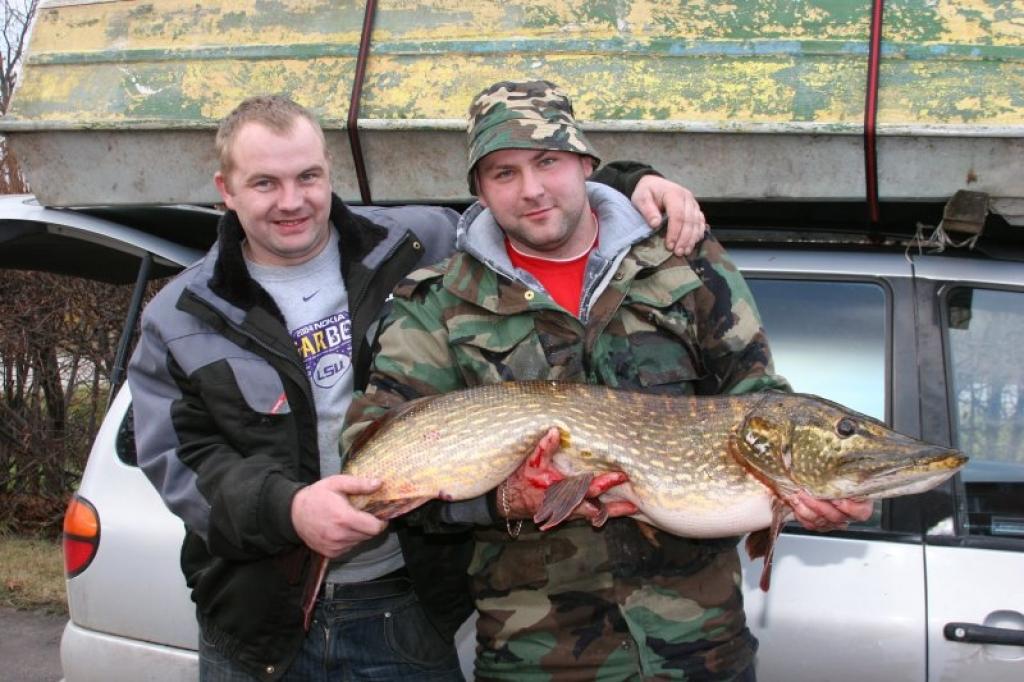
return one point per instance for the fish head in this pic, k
(794, 442)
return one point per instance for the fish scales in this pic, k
(705, 466)
(709, 466)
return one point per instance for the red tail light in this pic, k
(81, 535)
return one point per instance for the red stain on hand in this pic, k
(544, 478)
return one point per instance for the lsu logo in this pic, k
(329, 368)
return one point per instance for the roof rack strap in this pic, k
(353, 106)
(871, 113)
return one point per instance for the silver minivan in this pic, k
(930, 589)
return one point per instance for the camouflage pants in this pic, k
(558, 607)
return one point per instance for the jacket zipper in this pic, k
(361, 294)
(307, 389)
(240, 330)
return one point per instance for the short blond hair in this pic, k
(276, 112)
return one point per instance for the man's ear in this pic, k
(476, 181)
(222, 187)
(588, 165)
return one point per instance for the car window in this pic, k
(829, 338)
(124, 442)
(984, 332)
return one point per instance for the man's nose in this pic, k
(290, 197)
(532, 186)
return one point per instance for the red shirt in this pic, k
(562, 279)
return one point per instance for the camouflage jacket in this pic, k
(649, 320)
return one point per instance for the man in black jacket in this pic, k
(244, 370)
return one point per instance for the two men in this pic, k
(557, 278)
(245, 366)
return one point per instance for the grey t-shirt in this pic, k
(314, 301)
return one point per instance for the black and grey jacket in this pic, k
(227, 454)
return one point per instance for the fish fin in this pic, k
(757, 543)
(561, 499)
(762, 542)
(649, 532)
(389, 509)
(383, 420)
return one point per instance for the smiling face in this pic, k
(539, 199)
(279, 185)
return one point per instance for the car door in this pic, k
(973, 389)
(76, 243)
(843, 606)
(133, 572)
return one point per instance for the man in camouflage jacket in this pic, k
(620, 602)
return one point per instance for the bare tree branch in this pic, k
(17, 21)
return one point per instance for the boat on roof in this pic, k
(118, 101)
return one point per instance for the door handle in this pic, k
(982, 634)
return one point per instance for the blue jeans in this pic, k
(370, 631)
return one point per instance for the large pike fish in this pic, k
(708, 466)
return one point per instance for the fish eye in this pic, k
(846, 427)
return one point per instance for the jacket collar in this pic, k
(230, 279)
(481, 271)
(480, 236)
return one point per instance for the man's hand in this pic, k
(525, 489)
(327, 522)
(823, 515)
(655, 197)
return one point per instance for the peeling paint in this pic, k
(952, 73)
(169, 24)
(771, 61)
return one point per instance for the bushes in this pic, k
(58, 337)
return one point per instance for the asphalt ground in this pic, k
(30, 646)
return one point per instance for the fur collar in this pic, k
(356, 237)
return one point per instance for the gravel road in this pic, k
(30, 646)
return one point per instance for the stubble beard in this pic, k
(568, 225)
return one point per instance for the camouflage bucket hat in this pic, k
(523, 115)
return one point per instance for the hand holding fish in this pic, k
(325, 519)
(699, 466)
(826, 515)
(526, 489)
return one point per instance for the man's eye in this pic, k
(308, 177)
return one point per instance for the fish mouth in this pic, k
(876, 475)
